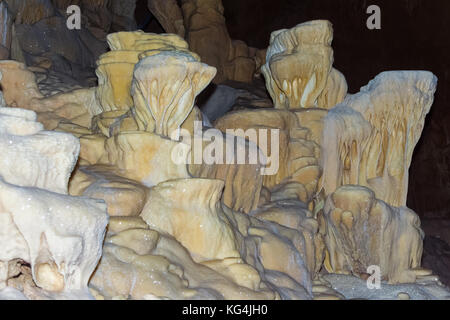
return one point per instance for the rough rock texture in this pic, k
(5, 31)
(21, 90)
(59, 236)
(164, 89)
(190, 224)
(362, 231)
(202, 23)
(298, 63)
(169, 14)
(33, 157)
(298, 156)
(64, 55)
(375, 136)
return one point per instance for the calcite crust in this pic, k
(102, 194)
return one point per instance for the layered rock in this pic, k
(297, 155)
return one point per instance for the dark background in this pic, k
(414, 35)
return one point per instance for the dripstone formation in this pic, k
(101, 197)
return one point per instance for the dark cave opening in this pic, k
(145, 20)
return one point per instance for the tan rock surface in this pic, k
(335, 90)
(207, 35)
(362, 231)
(138, 156)
(193, 216)
(297, 154)
(164, 88)
(298, 63)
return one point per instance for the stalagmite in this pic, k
(164, 88)
(193, 217)
(298, 63)
(362, 231)
(334, 92)
(126, 190)
(369, 139)
(58, 235)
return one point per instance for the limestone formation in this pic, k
(202, 23)
(334, 92)
(373, 134)
(362, 231)
(115, 68)
(298, 63)
(195, 219)
(164, 88)
(59, 236)
(20, 90)
(123, 197)
(298, 155)
(33, 157)
(118, 88)
(135, 256)
(229, 168)
(126, 190)
(138, 156)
